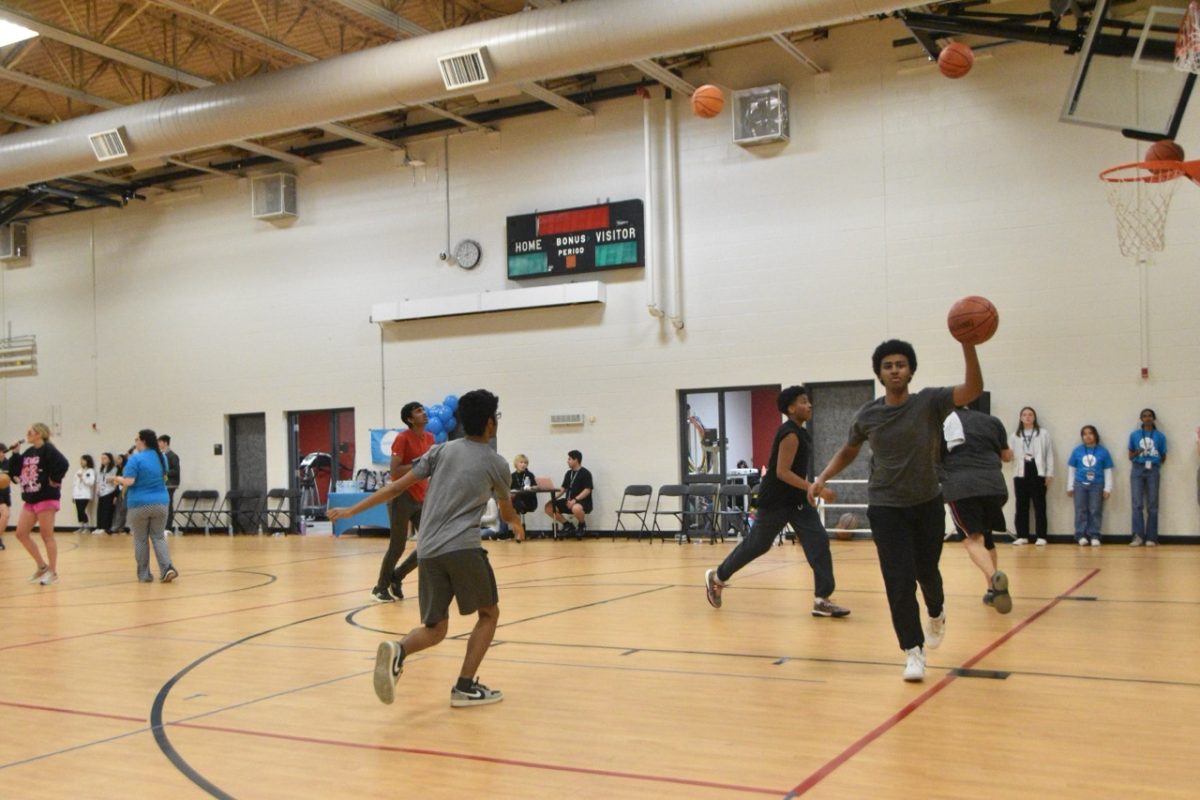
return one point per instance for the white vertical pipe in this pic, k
(672, 238)
(652, 260)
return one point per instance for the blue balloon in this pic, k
(451, 402)
(440, 438)
(447, 417)
(434, 425)
(435, 410)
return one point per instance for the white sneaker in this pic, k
(1135, 541)
(914, 666)
(1018, 541)
(50, 577)
(1095, 542)
(1083, 542)
(1151, 543)
(97, 532)
(1040, 542)
(935, 631)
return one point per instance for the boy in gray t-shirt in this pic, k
(905, 503)
(462, 474)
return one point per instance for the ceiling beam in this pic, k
(664, 76)
(795, 52)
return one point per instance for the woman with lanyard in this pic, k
(1148, 452)
(147, 500)
(1090, 482)
(1033, 467)
(39, 470)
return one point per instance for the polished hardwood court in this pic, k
(250, 677)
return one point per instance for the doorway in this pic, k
(247, 435)
(722, 428)
(320, 453)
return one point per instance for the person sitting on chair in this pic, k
(522, 478)
(576, 498)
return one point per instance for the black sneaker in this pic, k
(477, 695)
(170, 575)
(381, 595)
(389, 664)
(395, 591)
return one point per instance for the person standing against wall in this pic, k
(106, 494)
(84, 490)
(1090, 482)
(405, 507)
(164, 447)
(1148, 452)
(40, 471)
(903, 494)
(1033, 468)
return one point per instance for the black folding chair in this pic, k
(668, 490)
(700, 513)
(732, 509)
(279, 515)
(240, 513)
(195, 509)
(635, 490)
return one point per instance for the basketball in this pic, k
(955, 60)
(707, 101)
(5, 481)
(973, 320)
(1164, 150)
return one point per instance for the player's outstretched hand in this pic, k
(334, 514)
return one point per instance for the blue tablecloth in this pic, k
(376, 517)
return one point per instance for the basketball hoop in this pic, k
(1187, 44)
(1140, 195)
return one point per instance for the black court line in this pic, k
(166, 599)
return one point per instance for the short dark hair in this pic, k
(575, 454)
(893, 347)
(788, 396)
(164, 438)
(407, 412)
(1091, 428)
(475, 408)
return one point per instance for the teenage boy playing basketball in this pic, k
(462, 475)
(903, 495)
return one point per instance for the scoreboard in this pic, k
(577, 240)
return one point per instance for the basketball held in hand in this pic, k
(5, 481)
(707, 101)
(956, 60)
(973, 320)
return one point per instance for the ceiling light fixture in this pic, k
(11, 33)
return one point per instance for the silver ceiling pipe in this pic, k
(576, 37)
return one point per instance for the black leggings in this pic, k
(81, 510)
(401, 510)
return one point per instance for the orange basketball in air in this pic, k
(707, 101)
(1164, 150)
(973, 320)
(955, 60)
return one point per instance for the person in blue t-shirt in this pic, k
(147, 501)
(1090, 482)
(1148, 452)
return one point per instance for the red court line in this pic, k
(97, 714)
(894, 720)
(171, 621)
(508, 762)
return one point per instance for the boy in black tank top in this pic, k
(783, 499)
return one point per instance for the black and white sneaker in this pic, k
(389, 664)
(477, 695)
(395, 591)
(170, 575)
(381, 595)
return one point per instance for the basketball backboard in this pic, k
(1125, 79)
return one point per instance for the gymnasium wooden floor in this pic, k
(250, 677)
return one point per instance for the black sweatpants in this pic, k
(908, 540)
(400, 510)
(770, 521)
(1031, 488)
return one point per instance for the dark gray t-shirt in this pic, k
(972, 469)
(905, 442)
(462, 476)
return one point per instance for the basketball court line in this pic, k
(133, 583)
(856, 747)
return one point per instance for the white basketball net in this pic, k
(1141, 205)
(1187, 44)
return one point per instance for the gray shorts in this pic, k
(463, 574)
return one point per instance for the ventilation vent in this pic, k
(14, 242)
(567, 418)
(468, 68)
(760, 115)
(274, 196)
(108, 145)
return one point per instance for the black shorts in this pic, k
(564, 506)
(463, 574)
(978, 514)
